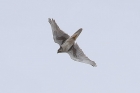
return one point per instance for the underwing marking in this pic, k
(61, 38)
(73, 50)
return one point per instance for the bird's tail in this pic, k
(76, 34)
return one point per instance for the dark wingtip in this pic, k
(94, 65)
(49, 20)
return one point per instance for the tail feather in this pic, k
(76, 34)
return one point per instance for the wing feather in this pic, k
(58, 35)
(78, 55)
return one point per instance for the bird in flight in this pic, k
(68, 45)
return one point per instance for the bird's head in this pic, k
(60, 50)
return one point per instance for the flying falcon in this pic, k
(68, 45)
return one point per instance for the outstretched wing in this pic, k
(78, 55)
(58, 35)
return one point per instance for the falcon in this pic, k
(68, 45)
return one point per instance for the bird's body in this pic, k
(68, 45)
(70, 41)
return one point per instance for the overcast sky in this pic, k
(29, 62)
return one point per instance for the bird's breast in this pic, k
(67, 44)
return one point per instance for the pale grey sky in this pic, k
(29, 62)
